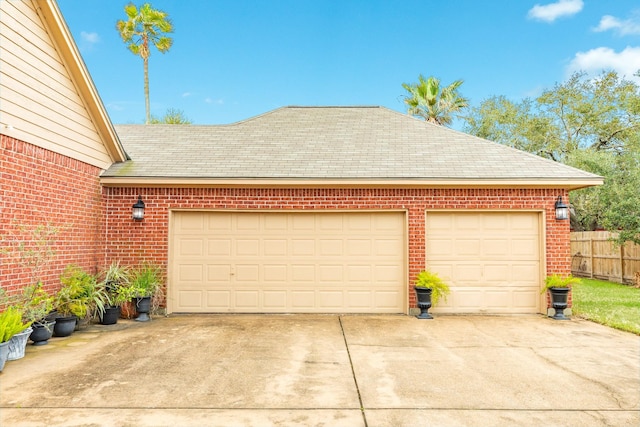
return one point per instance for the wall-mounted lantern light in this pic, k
(562, 210)
(138, 209)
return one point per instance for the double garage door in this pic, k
(342, 262)
(349, 262)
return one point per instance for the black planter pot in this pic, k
(143, 306)
(42, 331)
(110, 315)
(64, 326)
(559, 301)
(423, 296)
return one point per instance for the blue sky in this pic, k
(235, 59)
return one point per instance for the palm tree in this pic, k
(426, 99)
(143, 28)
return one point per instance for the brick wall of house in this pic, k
(40, 188)
(132, 242)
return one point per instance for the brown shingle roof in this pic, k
(361, 143)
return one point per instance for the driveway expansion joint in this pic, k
(353, 372)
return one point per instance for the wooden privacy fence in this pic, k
(594, 255)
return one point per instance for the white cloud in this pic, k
(186, 94)
(91, 38)
(214, 101)
(594, 61)
(623, 28)
(552, 11)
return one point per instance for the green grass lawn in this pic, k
(610, 304)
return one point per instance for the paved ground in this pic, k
(314, 370)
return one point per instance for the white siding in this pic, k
(39, 102)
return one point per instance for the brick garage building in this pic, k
(336, 209)
(297, 210)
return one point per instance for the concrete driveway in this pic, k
(328, 370)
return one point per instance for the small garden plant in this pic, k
(429, 279)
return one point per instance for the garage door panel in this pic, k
(190, 224)
(330, 299)
(359, 299)
(303, 247)
(191, 247)
(526, 248)
(303, 273)
(220, 222)
(275, 273)
(331, 247)
(275, 300)
(386, 275)
(496, 274)
(464, 247)
(331, 274)
(359, 273)
(274, 247)
(356, 247)
(247, 273)
(523, 298)
(492, 248)
(388, 247)
(289, 262)
(523, 223)
(439, 248)
(191, 273)
(246, 298)
(275, 222)
(497, 299)
(303, 300)
(491, 260)
(388, 299)
(247, 247)
(494, 222)
(248, 222)
(191, 298)
(218, 247)
(220, 273)
(330, 223)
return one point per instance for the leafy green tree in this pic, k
(145, 27)
(435, 104)
(171, 117)
(592, 124)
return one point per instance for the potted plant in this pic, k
(429, 289)
(146, 288)
(10, 324)
(79, 298)
(559, 288)
(35, 305)
(115, 280)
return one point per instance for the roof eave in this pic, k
(67, 47)
(164, 182)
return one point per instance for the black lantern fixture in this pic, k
(138, 209)
(562, 210)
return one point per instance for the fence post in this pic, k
(591, 255)
(622, 263)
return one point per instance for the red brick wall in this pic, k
(132, 242)
(40, 187)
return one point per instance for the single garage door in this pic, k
(274, 262)
(491, 260)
